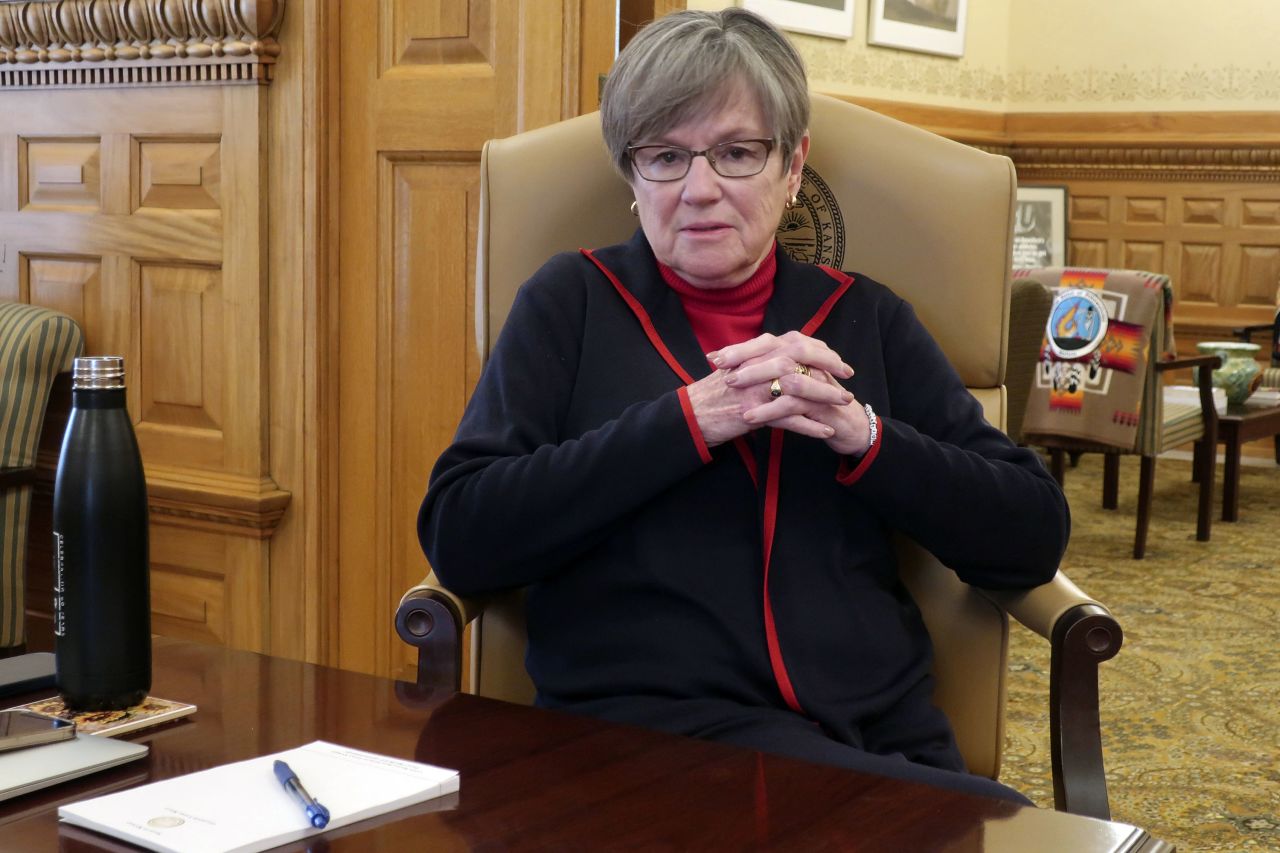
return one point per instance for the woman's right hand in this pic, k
(721, 400)
(719, 407)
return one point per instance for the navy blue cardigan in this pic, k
(574, 472)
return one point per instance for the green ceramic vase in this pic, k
(1239, 373)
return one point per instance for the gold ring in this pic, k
(775, 388)
(802, 369)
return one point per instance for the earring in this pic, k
(635, 208)
(791, 204)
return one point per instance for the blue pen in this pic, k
(316, 813)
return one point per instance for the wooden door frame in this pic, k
(320, 49)
(303, 144)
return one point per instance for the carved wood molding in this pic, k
(222, 503)
(81, 43)
(199, 500)
(1162, 147)
(1251, 164)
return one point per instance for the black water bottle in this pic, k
(102, 597)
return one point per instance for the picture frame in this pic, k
(1040, 227)
(829, 18)
(925, 26)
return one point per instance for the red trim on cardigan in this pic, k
(643, 316)
(848, 474)
(694, 430)
(651, 332)
(817, 319)
(780, 674)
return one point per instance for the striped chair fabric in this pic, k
(36, 344)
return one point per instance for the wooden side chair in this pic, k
(1163, 423)
(880, 197)
(36, 346)
(1029, 304)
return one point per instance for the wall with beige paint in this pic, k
(1143, 55)
(1081, 55)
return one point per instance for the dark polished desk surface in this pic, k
(539, 780)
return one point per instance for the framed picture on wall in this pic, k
(928, 26)
(1040, 228)
(831, 18)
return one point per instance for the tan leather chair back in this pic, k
(929, 217)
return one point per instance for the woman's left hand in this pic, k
(807, 405)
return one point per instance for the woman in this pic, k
(670, 448)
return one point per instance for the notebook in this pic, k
(241, 807)
(36, 767)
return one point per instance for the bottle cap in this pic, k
(97, 372)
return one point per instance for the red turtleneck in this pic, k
(730, 315)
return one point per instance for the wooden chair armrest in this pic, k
(1205, 383)
(1246, 333)
(12, 477)
(1082, 634)
(1209, 361)
(431, 619)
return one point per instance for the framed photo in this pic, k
(1040, 228)
(831, 18)
(928, 26)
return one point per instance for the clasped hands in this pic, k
(735, 398)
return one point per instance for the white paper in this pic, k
(241, 807)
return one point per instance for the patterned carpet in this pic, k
(1191, 705)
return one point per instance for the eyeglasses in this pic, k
(740, 158)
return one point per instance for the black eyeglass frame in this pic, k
(769, 145)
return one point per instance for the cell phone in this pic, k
(25, 728)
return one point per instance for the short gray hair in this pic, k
(678, 65)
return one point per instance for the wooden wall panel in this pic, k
(142, 213)
(71, 285)
(188, 585)
(183, 175)
(57, 174)
(1143, 255)
(1216, 240)
(1259, 276)
(183, 362)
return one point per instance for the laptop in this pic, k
(36, 767)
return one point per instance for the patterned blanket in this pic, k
(1093, 366)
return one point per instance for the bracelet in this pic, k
(871, 422)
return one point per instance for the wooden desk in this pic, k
(1239, 425)
(537, 780)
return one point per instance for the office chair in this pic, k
(37, 348)
(930, 217)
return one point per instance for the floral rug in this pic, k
(1191, 704)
